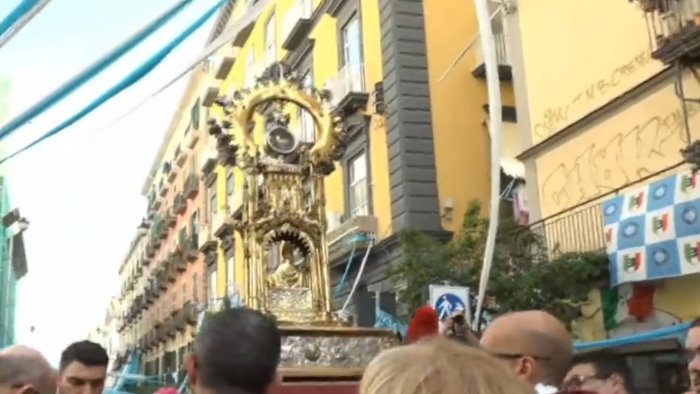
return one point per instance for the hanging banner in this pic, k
(653, 232)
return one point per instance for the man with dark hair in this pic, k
(25, 371)
(692, 349)
(83, 369)
(237, 351)
(535, 344)
(599, 373)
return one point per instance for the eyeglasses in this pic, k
(515, 356)
(575, 383)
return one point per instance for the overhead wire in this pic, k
(91, 71)
(20, 11)
(225, 38)
(7, 34)
(128, 81)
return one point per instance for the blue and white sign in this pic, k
(450, 299)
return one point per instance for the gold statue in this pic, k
(288, 275)
(278, 174)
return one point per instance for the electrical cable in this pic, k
(6, 36)
(91, 71)
(18, 13)
(227, 37)
(130, 79)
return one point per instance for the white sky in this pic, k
(81, 189)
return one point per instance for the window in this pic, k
(306, 120)
(194, 115)
(213, 201)
(212, 287)
(195, 287)
(352, 58)
(358, 186)
(352, 42)
(230, 188)
(271, 41)
(194, 225)
(251, 72)
(184, 293)
(230, 275)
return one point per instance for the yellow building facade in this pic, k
(418, 150)
(598, 116)
(419, 145)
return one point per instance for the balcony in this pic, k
(169, 219)
(675, 27)
(162, 278)
(189, 310)
(222, 65)
(179, 262)
(191, 186)
(297, 24)
(181, 156)
(579, 230)
(346, 237)
(158, 202)
(505, 72)
(191, 246)
(180, 204)
(211, 153)
(172, 174)
(170, 270)
(162, 188)
(209, 95)
(348, 91)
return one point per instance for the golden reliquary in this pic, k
(283, 223)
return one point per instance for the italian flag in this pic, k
(627, 302)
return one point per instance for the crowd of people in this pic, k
(239, 350)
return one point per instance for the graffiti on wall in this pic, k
(617, 160)
(554, 118)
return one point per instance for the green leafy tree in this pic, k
(524, 275)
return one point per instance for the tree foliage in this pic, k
(524, 274)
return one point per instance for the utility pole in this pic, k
(488, 46)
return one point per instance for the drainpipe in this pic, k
(488, 46)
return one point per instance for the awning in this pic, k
(676, 332)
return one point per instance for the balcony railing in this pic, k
(675, 25)
(348, 90)
(577, 231)
(502, 58)
(191, 186)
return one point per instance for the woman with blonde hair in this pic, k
(439, 366)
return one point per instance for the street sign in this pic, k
(449, 299)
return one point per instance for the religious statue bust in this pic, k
(287, 275)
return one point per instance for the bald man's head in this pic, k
(25, 371)
(538, 345)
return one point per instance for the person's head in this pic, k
(83, 368)
(598, 372)
(439, 365)
(535, 344)
(25, 371)
(236, 351)
(692, 348)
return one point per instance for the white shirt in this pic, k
(544, 389)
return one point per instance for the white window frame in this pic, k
(271, 40)
(251, 69)
(213, 287)
(232, 192)
(306, 120)
(231, 274)
(360, 208)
